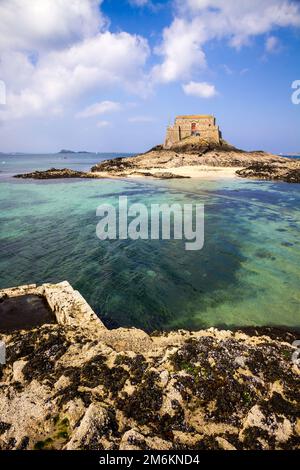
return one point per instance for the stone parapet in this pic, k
(67, 304)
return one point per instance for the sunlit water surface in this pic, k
(246, 274)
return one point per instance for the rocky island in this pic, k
(73, 384)
(193, 148)
(54, 173)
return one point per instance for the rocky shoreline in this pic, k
(54, 173)
(247, 164)
(77, 385)
(288, 172)
(57, 173)
(186, 161)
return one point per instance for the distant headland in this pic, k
(72, 151)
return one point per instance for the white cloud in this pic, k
(243, 19)
(181, 50)
(200, 89)
(54, 51)
(199, 21)
(102, 124)
(99, 108)
(272, 44)
(104, 60)
(141, 119)
(36, 24)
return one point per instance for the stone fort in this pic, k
(193, 129)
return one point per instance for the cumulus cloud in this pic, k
(54, 51)
(181, 49)
(200, 89)
(99, 108)
(44, 79)
(199, 21)
(36, 24)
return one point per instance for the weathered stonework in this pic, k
(200, 128)
(77, 385)
(67, 304)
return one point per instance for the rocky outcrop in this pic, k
(288, 171)
(159, 163)
(54, 173)
(199, 145)
(77, 385)
(163, 160)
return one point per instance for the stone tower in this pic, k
(200, 129)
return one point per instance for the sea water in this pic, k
(246, 274)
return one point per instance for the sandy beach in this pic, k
(199, 171)
(195, 171)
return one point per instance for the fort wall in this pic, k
(202, 126)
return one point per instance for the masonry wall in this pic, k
(182, 128)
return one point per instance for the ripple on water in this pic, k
(246, 274)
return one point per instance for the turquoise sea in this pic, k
(248, 272)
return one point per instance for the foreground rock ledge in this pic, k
(77, 385)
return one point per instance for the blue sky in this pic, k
(110, 75)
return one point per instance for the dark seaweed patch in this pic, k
(145, 402)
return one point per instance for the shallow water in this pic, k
(246, 274)
(24, 313)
